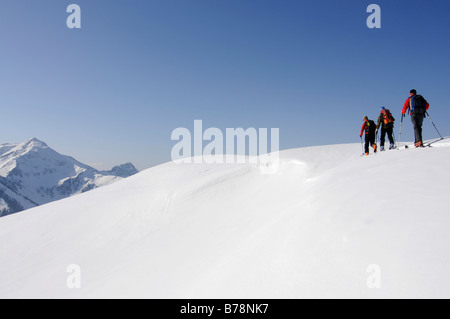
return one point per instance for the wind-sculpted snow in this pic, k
(328, 224)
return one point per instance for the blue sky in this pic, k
(114, 90)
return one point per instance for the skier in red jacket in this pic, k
(418, 107)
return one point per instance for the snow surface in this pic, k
(311, 230)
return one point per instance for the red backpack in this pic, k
(387, 117)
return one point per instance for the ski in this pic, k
(405, 147)
(429, 143)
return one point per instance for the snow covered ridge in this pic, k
(33, 174)
(329, 224)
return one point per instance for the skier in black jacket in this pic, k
(386, 122)
(370, 128)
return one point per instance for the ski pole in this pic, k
(393, 136)
(426, 112)
(376, 142)
(362, 147)
(400, 134)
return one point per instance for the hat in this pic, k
(413, 91)
(382, 108)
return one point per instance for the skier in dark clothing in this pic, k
(370, 128)
(386, 122)
(418, 107)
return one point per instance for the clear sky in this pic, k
(114, 90)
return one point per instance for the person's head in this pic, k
(365, 118)
(382, 108)
(412, 92)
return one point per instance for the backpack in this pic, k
(371, 127)
(387, 117)
(418, 104)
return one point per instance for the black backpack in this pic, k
(371, 127)
(418, 104)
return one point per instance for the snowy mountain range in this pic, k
(33, 174)
(328, 224)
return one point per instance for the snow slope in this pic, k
(32, 174)
(313, 229)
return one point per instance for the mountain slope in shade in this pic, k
(33, 174)
(323, 226)
(11, 202)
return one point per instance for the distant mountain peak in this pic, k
(32, 144)
(35, 142)
(32, 174)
